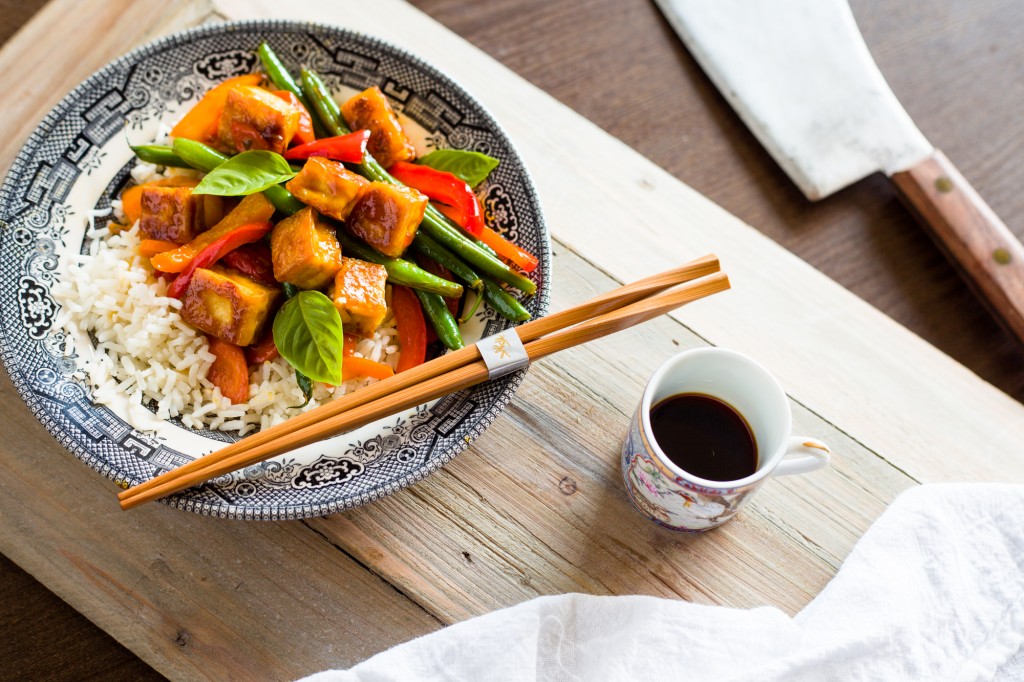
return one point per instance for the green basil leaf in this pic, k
(306, 386)
(309, 335)
(473, 167)
(247, 173)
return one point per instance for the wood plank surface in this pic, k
(830, 350)
(958, 68)
(495, 528)
(536, 505)
(198, 600)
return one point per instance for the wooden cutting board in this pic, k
(535, 506)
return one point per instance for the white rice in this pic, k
(146, 351)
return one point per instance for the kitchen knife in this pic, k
(800, 76)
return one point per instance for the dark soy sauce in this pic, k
(704, 436)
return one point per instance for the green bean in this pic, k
(504, 303)
(400, 271)
(426, 246)
(282, 78)
(434, 223)
(198, 155)
(205, 158)
(484, 262)
(324, 104)
(159, 154)
(455, 226)
(441, 319)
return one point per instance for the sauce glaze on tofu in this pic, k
(358, 293)
(227, 304)
(371, 110)
(169, 213)
(255, 119)
(305, 250)
(386, 217)
(327, 186)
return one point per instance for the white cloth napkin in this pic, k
(933, 591)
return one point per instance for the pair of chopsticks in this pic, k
(611, 312)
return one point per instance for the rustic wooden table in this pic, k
(422, 558)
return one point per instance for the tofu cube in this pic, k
(255, 119)
(358, 294)
(227, 304)
(305, 250)
(169, 213)
(371, 111)
(328, 187)
(386, 217)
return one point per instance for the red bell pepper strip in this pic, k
(305, 132)
(245, 234)
(412, 328)
(348, 148)
(444, 187)
(254, 261)
(522, 258)
(349, 348)
(229, 371)
(263, 351)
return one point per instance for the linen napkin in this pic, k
(933, 591)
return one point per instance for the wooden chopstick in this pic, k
(529, 331)
(436, 387)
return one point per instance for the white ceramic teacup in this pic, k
(677, 499)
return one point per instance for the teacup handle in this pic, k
(803, 455)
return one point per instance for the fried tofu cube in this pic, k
(305, 250)
(371, 111)
(227, 304)
(255, 119)
(358, 294)
(327, 186)
(386, 217)
(169, 213)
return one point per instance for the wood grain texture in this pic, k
(199, 600)
(45, 639)
(494, 527)
(973, 237)
(957, 67)
(536, 505)
(855, 366)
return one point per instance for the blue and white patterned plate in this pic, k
(77, 159)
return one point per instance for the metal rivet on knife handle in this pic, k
(988, 254)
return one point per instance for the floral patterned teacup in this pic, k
(679, 500)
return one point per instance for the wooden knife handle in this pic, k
(987, 254)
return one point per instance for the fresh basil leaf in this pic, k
(306, 386)
(304, 382)
(309, 335)
(473, 167)
(247, 173)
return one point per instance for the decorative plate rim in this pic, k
(265, 512)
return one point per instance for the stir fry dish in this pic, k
(312, 223)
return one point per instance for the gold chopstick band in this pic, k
(503, 353)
